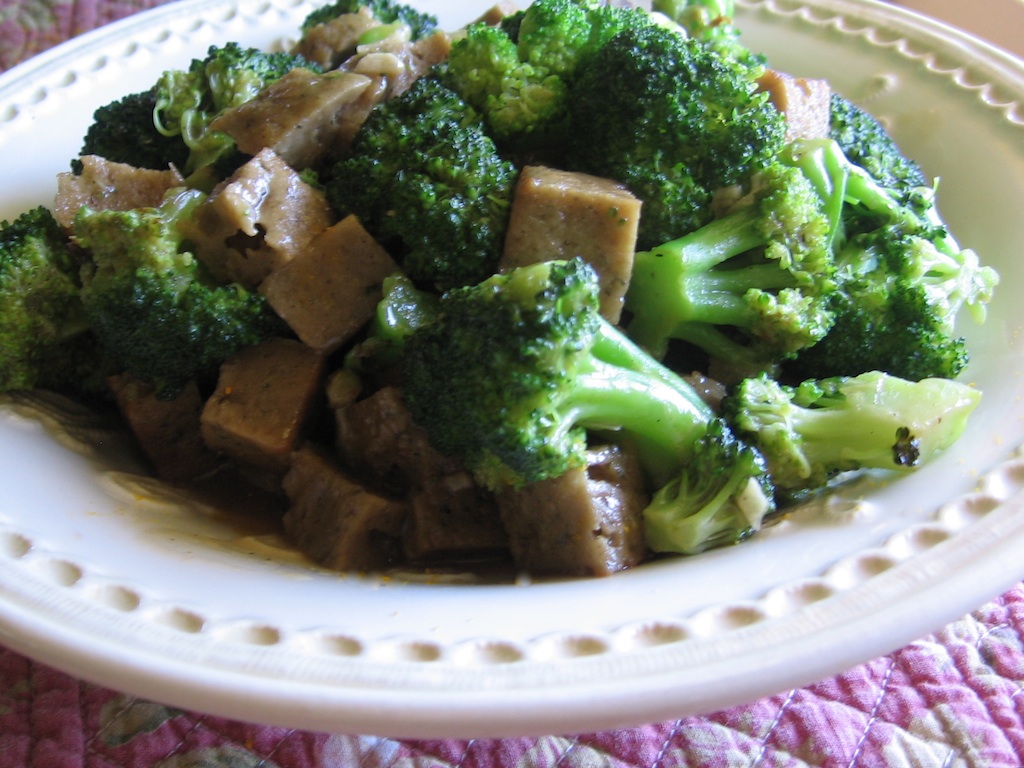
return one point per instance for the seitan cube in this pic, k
(265, 396)
(804, 102)
(336, 521)
(108, 186)
(559, 214)
(301, 116)
(586, 522)
(451, 518)
(331, 290)
(167, 431)
(257, 220)
(377, 438)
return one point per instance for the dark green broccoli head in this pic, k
(653, 98)
(486, 380)
(187, 101)
(42, 323)
(866, 142)
(427, 181)
(518, 74)
(385, 11)
(123, 132)
(153, 310)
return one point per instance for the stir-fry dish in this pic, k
(573, 287)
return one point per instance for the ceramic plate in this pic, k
(104, 575)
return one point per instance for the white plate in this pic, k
(104, 579)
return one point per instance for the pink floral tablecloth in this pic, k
(949, 699)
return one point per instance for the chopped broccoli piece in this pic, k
(153, 309)
(419, 23)
(866, 142)
(44, 334)
(187, 101)
(749, 288)
(901, 277)
(427, 182)
(668, 114)
(518, 74)
(514, 372)
(709, 21)
(124, 132)
(811, 432)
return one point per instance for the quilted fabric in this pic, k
(949, 700)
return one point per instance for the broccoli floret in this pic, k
(124, 132)
(902, 280)
(153, 309)
(668, 113)
(749, 288)
(811, 432)
(187, 101)
(709, 21)
(515, 370)
(44, 334)
(429, 183)
(866, 142)
(518, 74)
(419, 23)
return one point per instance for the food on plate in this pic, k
(571, 288)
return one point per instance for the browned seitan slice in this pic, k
(452, 519)
(336, 521)
(304, 117)
(167, 431)
(378, 438)
(331, 290)
(259, 219)
(805, 103)
(104, 185)
(587, 522)
(558, 214)
(264, 398)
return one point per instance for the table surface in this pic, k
(948, 699)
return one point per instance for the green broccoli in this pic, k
(123, 131)
(811, 432)
(514, 371)
(44, 333)
(154, 311)
(187, 101)
(866, 142)
(419, 23)
(518, 74)
(709, 21)
(749, 288)
(675, 120)
(902, 280)
(428, 182)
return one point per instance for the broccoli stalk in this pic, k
(515, 371)
(902, 278)
(44, 333)
(747, 288)
(811, 432)
(155, 312)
